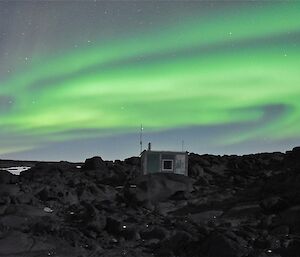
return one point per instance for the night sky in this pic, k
(78, 78)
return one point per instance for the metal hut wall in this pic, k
(164, 161)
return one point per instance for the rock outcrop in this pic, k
(237, 206)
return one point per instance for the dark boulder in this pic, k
(293, 157)
(84, 213)
(273, 204)
(284, 185)
(94, 163)
(47, 172)
(280, 231)
(153, 233)
(294, 154)
(291, 249)
(113, 226)
(180, 243)
(158, 187)
(25, 198)
(44, 225)
(14, 222)
(224, 245)
(133, 161)
(7, 178)
(15, 243)
(116, 176)
(196, 171)
(21, 244)
(291, 218)
(121, 229)
(46, 194)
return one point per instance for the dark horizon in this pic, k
(122, 159)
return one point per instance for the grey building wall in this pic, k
(162, 161)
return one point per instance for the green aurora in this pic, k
(211, 70)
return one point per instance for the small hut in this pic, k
(164, 161)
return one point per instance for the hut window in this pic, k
(167, 165)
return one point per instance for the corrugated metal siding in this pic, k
(168, 156)
(153, 162)
(180, 163)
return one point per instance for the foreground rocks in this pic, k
(229, 206)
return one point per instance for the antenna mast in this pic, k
(182, 145)
(141, 139)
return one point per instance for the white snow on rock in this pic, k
(47, 209)
(16, 170)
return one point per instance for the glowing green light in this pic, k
(227, 76)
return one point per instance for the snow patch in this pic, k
(16, 170)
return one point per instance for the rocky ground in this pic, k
(229, 206)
